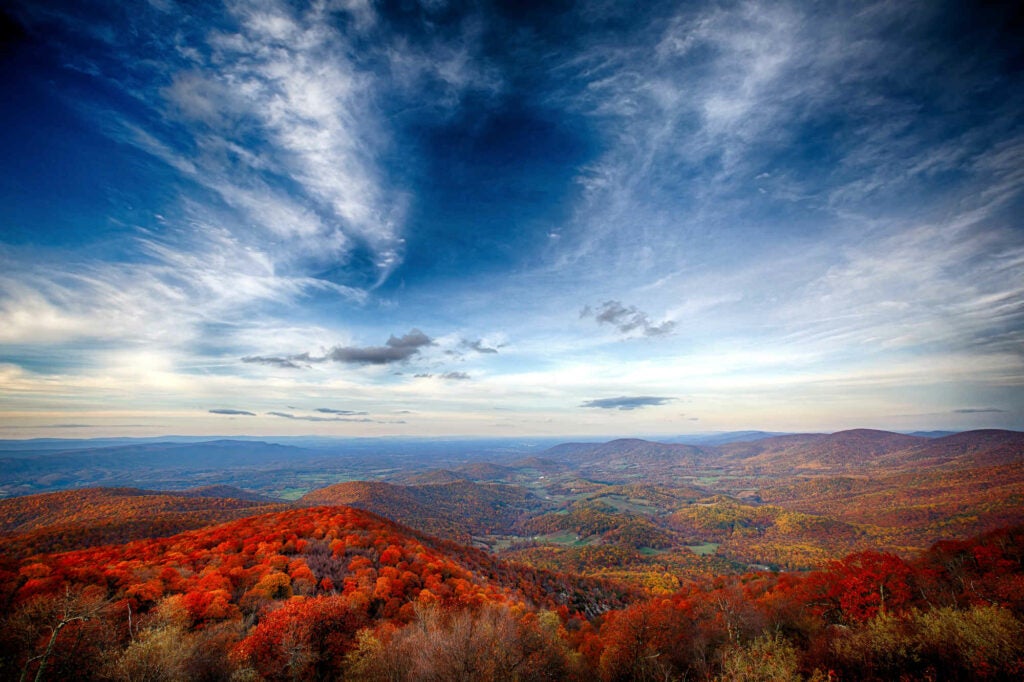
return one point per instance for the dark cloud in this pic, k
(306, 357)
(299, 361)
(229, 411)
(287, 415)
(286, 363)
(627, 319)
(455, 376)
(423, 375)
(397, 349)
(979, 410)
(328, 410)
(626, 402)
(478, 346)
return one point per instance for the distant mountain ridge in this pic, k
(628, 450)
(843, 451)
(827, 492)
(722, 438)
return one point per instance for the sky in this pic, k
(362, 218)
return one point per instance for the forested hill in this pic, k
(74, 519)
(338, 593)
(457, 510)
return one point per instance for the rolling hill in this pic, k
(340, 593)
(625, 451)
(843, 451)
(74, 519)
(457, 510)
(792, 501)
(262, 589)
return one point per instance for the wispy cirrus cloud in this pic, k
(710, 118)
(164, 299)
(824, 199)
(267, 120)
(712, 122)
(285, 78)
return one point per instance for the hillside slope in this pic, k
(842, 451)
(303, 552)
(456, 510)
(74, 519)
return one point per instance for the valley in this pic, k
(560, 548)
(624, 508)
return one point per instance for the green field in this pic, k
(703, 549)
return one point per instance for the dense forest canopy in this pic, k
(856, 556)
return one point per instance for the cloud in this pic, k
(900, 291)
(627, 319)
(727, 95)
(285, 363)
(349, 420)
(233, 412)
(626, 402)
(306, 357)
(750, 176)
(979, 410)
(456, 376)
(478, 346)
(328, 410)
(310, 418)
(265, 126)
(396, 349)
(288, 79)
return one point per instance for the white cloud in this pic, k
(286, 79)
(794, 283)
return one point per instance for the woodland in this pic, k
(860, 555)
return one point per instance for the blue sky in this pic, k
(592, 218)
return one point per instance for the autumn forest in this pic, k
(859, 555)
